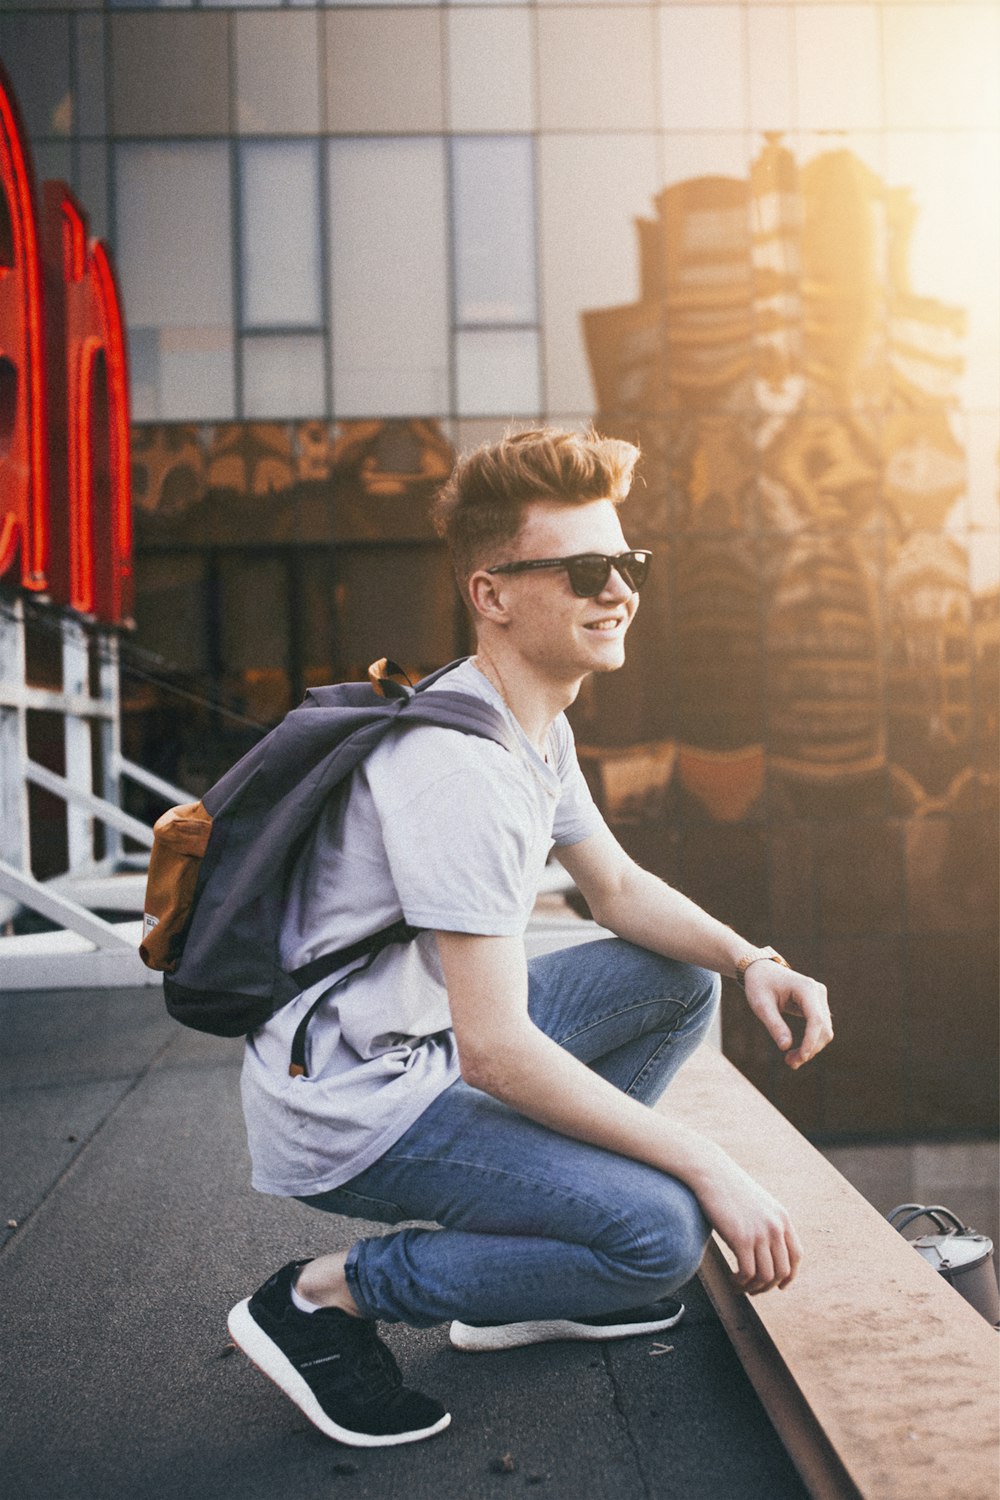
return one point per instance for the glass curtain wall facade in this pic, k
(761, 238)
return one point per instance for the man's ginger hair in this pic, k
(480, 509)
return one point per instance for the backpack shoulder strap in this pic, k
(462, 711)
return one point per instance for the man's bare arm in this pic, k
(503, 1053)
(639, 906)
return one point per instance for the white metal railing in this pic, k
(153, 783)
(90, 796)
(69, 915)
(79, 709)
(79, 801)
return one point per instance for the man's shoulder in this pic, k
(445, 748)
(413, 753)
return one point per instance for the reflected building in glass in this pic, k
(792, 396)
(795, 396)
(761, 238)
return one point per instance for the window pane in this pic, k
(591, 191)
(181, 374)
(491, 70)
(596, 68)
(174, 254)
(770, 67)
(389, 278)
(497, 372)
(173, 233)
(696, 97)
(283, 376)
(277, 74)
(941, 65)
(839, 78)
(494, 230)
(36, 55)
(384, 71)
(279, 225)
(351, 4)
(90, 75)
(170, 74)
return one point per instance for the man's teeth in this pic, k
(604, 625)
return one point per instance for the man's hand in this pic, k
(754, 1226)
(774, 992)
(640, 907)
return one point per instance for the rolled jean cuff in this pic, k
(354, 1282)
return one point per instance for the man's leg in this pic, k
(537, 1226)
(632, 1015)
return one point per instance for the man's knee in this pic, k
(697, 991)
(668, 1241)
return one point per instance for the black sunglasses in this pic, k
(589, 571)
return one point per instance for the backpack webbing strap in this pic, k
(329, 963)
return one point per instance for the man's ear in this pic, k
(487, 595)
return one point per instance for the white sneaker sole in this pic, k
(512, 1335)
(267, 1357)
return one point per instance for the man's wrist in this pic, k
(688, 1155)
(756, 955)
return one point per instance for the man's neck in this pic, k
(534, 700)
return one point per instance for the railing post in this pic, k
(109, 688)
(78, 743)
(15, 835)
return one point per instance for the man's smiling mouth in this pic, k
(606, 625)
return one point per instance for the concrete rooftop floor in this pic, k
(128, 1228)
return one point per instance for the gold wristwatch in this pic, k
(751, 957)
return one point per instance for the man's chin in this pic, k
(610, 660)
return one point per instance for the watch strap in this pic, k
(754, 955)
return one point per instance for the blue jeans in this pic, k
(536, 1225)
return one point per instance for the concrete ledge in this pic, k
(881, 1380)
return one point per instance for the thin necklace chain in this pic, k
(482, 661)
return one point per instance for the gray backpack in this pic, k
(220, 868)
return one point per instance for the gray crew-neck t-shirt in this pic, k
(451, 832)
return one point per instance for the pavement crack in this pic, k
(620, 1406)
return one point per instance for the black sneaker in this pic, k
(334, 1367)
(653, 1318)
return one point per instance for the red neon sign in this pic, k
(23, 456)
(65, 497)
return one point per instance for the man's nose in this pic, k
(616, 588)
